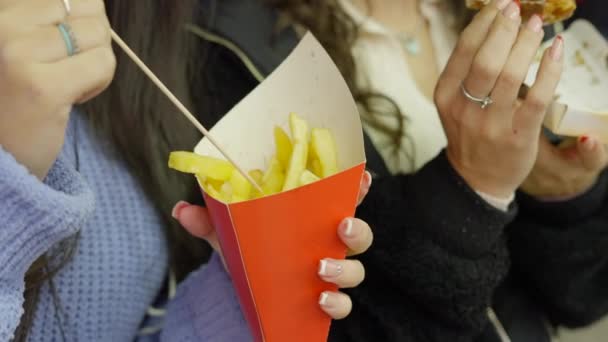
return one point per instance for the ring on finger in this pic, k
(482, 101)
(71, 43)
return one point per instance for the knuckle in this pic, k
(507, 26)
(489, 133)
(536, 104)
(107, 62)
(466, 44)
(484, 71)
(445, 98)
(440, 100)
(100, 31)
(510, 80)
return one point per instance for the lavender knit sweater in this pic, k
(121, 261)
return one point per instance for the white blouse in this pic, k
(382, 65)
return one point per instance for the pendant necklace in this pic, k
(409, 40)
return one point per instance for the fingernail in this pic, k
(587, 142)
(535, 24)
(511, 11)
(557, 48)
(347, 227)
(329, 268)
(326, 300)
(501, 4)
(366, 180)
(178, 208)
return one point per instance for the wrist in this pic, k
(500, 203)
(483, 183)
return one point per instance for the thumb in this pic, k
(592, 153)
(195, 219)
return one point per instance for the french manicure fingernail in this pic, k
(330, 268)
(347, 227)
(557, 48)
(178, 208)
(325, 300)
(369, 179)
(366, 180)
(587, 142)
(535, 24)
(511, 11)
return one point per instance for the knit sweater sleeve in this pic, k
(34, 216)
(206, 308)
(559, 249)
(439, 253)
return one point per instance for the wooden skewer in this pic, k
(180, 106)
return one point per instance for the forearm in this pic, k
(34, 216)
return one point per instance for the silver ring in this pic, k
(71, 44)
(483, 102)
(68, 6)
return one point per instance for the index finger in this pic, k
(472, 37)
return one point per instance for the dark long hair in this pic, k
(144, 127)
(133, 105)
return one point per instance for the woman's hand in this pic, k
(567, 170)
(494, 148)
(355, 234)
(39, 82)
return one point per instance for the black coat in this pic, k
(441, 256)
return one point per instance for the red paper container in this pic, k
(273, 245)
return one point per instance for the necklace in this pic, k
(409, 40)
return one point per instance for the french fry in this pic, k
(216, 184)
(315, 167)
(258, 176)
(297, 164)
(241, 188)
(226, 192)
(313, 164)
(299, 128)
(308, 177)
(324, 147)
(283, 146)
(210, 189)
(214, 193)
(274, 178)
(189, 162)
(299, 154)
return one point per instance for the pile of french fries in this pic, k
(305, 157)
